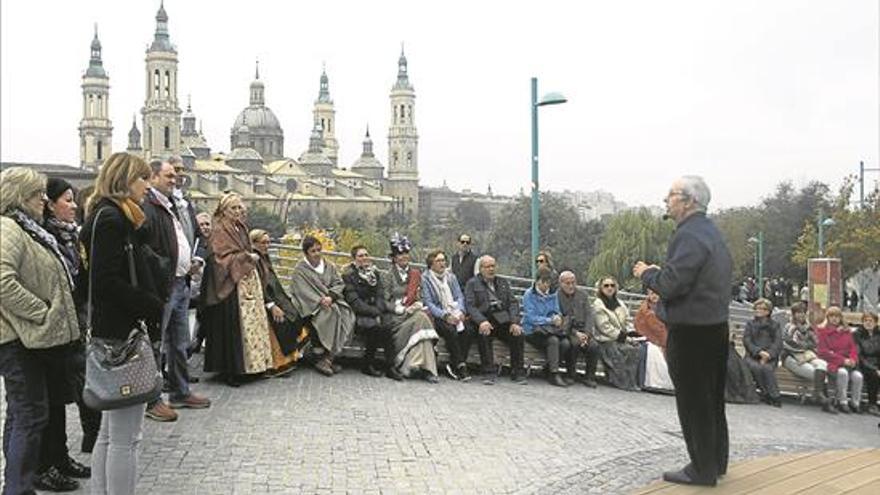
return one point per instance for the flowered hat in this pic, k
(399, 245)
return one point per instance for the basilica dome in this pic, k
(257, 119)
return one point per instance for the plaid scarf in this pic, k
(42, 237)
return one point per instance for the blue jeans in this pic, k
(27, 412)
(114, 460)
(176, 338)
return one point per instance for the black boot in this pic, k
(819, 391)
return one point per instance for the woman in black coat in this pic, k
(114, 216)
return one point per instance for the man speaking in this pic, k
(694, 286)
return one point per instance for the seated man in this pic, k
(494, 310)
(364, 293)
(542, 325)
(578, 320)
(762, 340)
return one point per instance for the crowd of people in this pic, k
(144, 255)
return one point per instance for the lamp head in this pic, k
(828, 222)
(552, 99)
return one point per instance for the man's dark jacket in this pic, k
(577, 312)
(161, 237)
(694, 283)
(463, 267)
(477, 299)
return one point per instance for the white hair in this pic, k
(696, 189)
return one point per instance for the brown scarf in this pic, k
(132, 211)
(232, 255)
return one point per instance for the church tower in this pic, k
(326, 116)
(403, 140)
(134, 139)
(95, 128)
(161, 112)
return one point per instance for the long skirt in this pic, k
(656, 371)
(621, 363)
(223, 348)
(414, 338)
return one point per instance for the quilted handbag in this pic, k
(120, 373)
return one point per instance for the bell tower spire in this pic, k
(325, 115)
(95, 128)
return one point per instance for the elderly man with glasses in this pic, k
(694, 286)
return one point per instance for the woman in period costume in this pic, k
(289, 335)
(234, 314)
(318, 290)
(620, 358)
(411, 328)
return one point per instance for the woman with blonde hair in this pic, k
(119, 301)
(838, 348)
(37, 324)
(620, 358)
(234, 314)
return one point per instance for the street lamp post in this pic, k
(759, 261)
(548, 99)
(822, 223)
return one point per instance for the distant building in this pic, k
(441, 202)
(256, 165)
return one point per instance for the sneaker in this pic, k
(854, 408)
(842, 407)
(51, 480)
(490, 379)
(161, 412)
(463, 373)
(451, 373)
(556, 380)
(73, 468)
(191, 401)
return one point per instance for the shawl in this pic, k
(67, 235)
(440, 284)
(42, 237)
(648, 324)
(232, 255)
(132, 211)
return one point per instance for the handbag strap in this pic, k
(131, 270)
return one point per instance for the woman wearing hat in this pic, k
(411, 328)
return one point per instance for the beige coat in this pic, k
(609, 323)
(37, 305)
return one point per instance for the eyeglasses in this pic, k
(675, 193)
(608, 285)
(540, 260)
(464, 241)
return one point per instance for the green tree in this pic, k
(854, 237)
(737, 225)
(630, 236)
(260, 218)
(474, 217)
(570, 240)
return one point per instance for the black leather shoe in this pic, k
(682, 477)
(371, 371)
(557, 380)
(71, 467)
(394, 375)
(51, 480)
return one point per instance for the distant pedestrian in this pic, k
(694, 287)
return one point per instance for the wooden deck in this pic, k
(855, 471)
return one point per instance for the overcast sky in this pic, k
(744, 92)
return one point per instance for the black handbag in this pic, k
(119, 373)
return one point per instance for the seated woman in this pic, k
(762, 340)
(542, 326)
(289, 336)
(621, 359)
(652, 355)
(838, 348)
(445, 301)
(868, 341)
(364, 293)
(411, 328)
(799, 355)
(318, 290)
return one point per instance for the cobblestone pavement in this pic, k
(355, 434)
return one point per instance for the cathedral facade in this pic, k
(257, 165)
